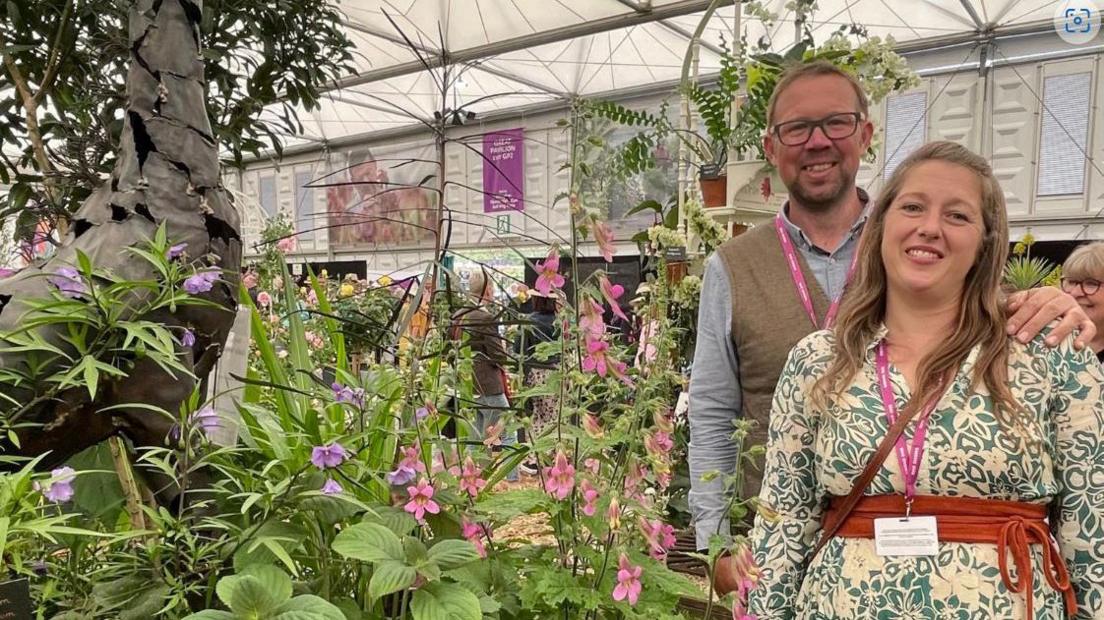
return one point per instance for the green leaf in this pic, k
(91, 376)
(390, 576)
(445, 601)
(308, 607)
(211, 614)
(506, 506)
(452, 553)
(369, 542)
(251, 598)
(398, 521)
(273, 580)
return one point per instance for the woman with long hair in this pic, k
(921, 463)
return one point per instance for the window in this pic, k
(305, 221)
(906, 127)
(267, 191)
(1064, 134)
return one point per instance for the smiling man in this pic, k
(770, 287)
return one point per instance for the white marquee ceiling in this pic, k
(516, 52)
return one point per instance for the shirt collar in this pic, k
(798, 235)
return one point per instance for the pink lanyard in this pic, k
(909, 458)
(799, 278)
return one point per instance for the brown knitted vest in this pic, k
(768, 319)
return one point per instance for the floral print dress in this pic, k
(967, 453)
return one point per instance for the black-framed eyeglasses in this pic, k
(836, 127)
(1089, 286)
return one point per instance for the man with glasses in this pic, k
(767, 289)
(1081, 276)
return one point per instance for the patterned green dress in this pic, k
(810, 457)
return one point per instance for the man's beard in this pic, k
(823, 202)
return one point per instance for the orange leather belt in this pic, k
(1011, 526)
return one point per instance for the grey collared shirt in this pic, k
(715, 380)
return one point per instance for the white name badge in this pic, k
(906, 536)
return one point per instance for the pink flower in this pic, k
(603, 236)
(592, 426)
(613, 514)
(471, 479)
(660, 537)
(658, 444)
(628, 581)
(285, 245)
(312, 298)
(590, 498)
(592, 465)
(611, 292)
(598, 361)
(421, 500)
(264, 298)
(746, 570)
(560, 478)
(474, 533)
(314, 340)
(408, 467)
(548, 276)
(250, 279)
(590, 319)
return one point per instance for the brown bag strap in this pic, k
(895, 431)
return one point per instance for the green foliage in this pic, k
(264, 593)
(73, 58)
(1025, 272)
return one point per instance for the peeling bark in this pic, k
(168, 172)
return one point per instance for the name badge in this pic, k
(906, 536)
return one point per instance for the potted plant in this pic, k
(750, 79)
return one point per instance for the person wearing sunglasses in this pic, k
(1082, 275)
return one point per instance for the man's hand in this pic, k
(1034, 309)
(724, 576)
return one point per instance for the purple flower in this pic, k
(331, 487)
(206, 419)
(5, 272)
(345, 394)
(328, 456)
(402, 475)
(188, 338)
(420, 413)
(201, 282)
(175, 251)
(68, 282)
(59, 488)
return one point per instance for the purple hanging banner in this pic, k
(504, 171)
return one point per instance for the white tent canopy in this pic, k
(510, 53)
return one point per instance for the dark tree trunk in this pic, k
(167, 173)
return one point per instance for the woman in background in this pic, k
(1082, 275)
